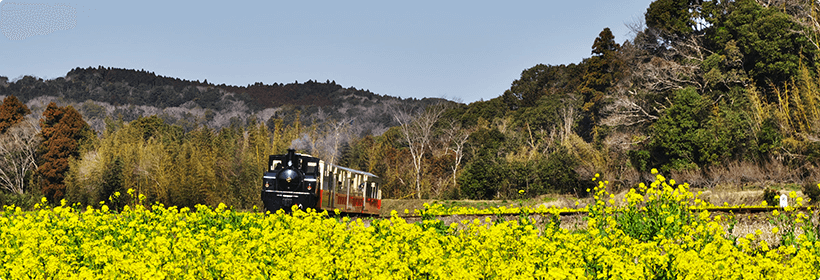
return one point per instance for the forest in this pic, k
(710, 92)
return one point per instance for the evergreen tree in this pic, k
(12, 111)
(602, 70)
(63, 128)
(672, 17)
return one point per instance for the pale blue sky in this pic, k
(467, 50)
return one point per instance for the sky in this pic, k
(459, 50)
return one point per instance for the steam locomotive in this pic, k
(309, 182)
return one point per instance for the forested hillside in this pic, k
(709, 92)
(713, 92)
(128, 94)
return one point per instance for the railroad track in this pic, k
(574, 212)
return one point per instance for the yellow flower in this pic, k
(774, 230)
(764, 246)
(653, 171)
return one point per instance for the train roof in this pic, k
(355, 171)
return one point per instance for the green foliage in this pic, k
(558, 174)
(602, 70)
(769, 196)
(539, 81)
(486, 141)
(695, 132)
(482, 177)
(482, 111)
(525, 91)
(675, 133)
(24, 201)
(811, 190)
(661, 209)
(640, 159)
(548, 114)
(768, 138)
(673, 17)
(113, 182)
(154, 127)
(770, 41)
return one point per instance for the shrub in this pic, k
(811, 190)
(768, 196)
(24, 201)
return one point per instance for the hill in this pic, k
(113, 92)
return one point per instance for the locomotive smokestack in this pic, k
(291, 158)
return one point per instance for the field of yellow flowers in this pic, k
(652, 234)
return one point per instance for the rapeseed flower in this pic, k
(654, 235)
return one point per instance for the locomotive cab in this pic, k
(290, 180)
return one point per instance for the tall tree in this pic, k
(455, 139)
(62, 129)
(603, 69)
(12, 111)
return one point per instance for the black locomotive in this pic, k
(309, 182)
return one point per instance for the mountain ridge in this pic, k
(131, 93)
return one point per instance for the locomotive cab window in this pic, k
(310, 167)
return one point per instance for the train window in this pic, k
(310, 167)
(275, 164)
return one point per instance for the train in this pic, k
(309, 182)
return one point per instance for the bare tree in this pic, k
(18, 146)
(325, 141)
(626, 111)
(455, 139)
(338, 134)
(417, 130)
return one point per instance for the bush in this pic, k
(558, 173)
(24, 201)
(768, 196)
(482, 177)
(811, 190)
